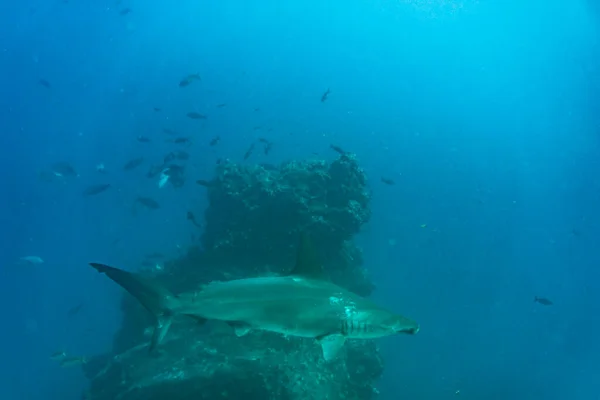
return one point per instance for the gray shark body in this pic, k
(302, 304)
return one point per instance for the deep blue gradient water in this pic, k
(486, 114)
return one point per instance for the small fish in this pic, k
(214, 141)
(181, 140)
(143, 139)
(164, 178)
(154, 170)
(543, 301)
(249, 152)
(101, 168)
(63, 169)
(125, 11)
(325, 95)
(156, 109)
(267, 148)
(192, 218)
(195, 115)
(168, 158)
(31, 260)
(96, 189)
(221, 105)
(268, 145)
(176, 174)
(205, 183)
(148, 202)
(338, 149)
(387, 181)
(189, 79)
(132, 164)
(45, 83)
(72, 361)
(74, 310)
(58, 355)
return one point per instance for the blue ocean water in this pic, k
(484, 113)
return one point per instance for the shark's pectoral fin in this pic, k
(331, 344)
(240, 328)
(163, 323)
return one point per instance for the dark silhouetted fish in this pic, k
(249, 151)
(214, 141)
(156, 109)
(148, 202)
(136, 162)
(267, 145)
(176, 175)
(204, 182)
(189, 79)
(268, 148)
(168, 158)
(125, 11)
(338, 149)
(325, 95)
(543, 301)
(195, 115)
(155, 170)
(143, 139)
(221, 105)
(96, 189)
(387, 181)
(63, 169)
(181, 140)
(45, 83)
(192, 218)
(74, 310)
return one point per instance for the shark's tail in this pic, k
(150, 293)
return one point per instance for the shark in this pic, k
(303, 303)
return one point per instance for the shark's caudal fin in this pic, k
(150, 293)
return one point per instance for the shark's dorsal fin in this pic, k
(308, 264)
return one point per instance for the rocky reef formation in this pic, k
(253, 221)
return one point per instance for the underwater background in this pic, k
(477, 124)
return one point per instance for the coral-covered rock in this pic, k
(258, 211)
(222, 366)
(253, 222)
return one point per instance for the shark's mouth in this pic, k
(412, 330)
